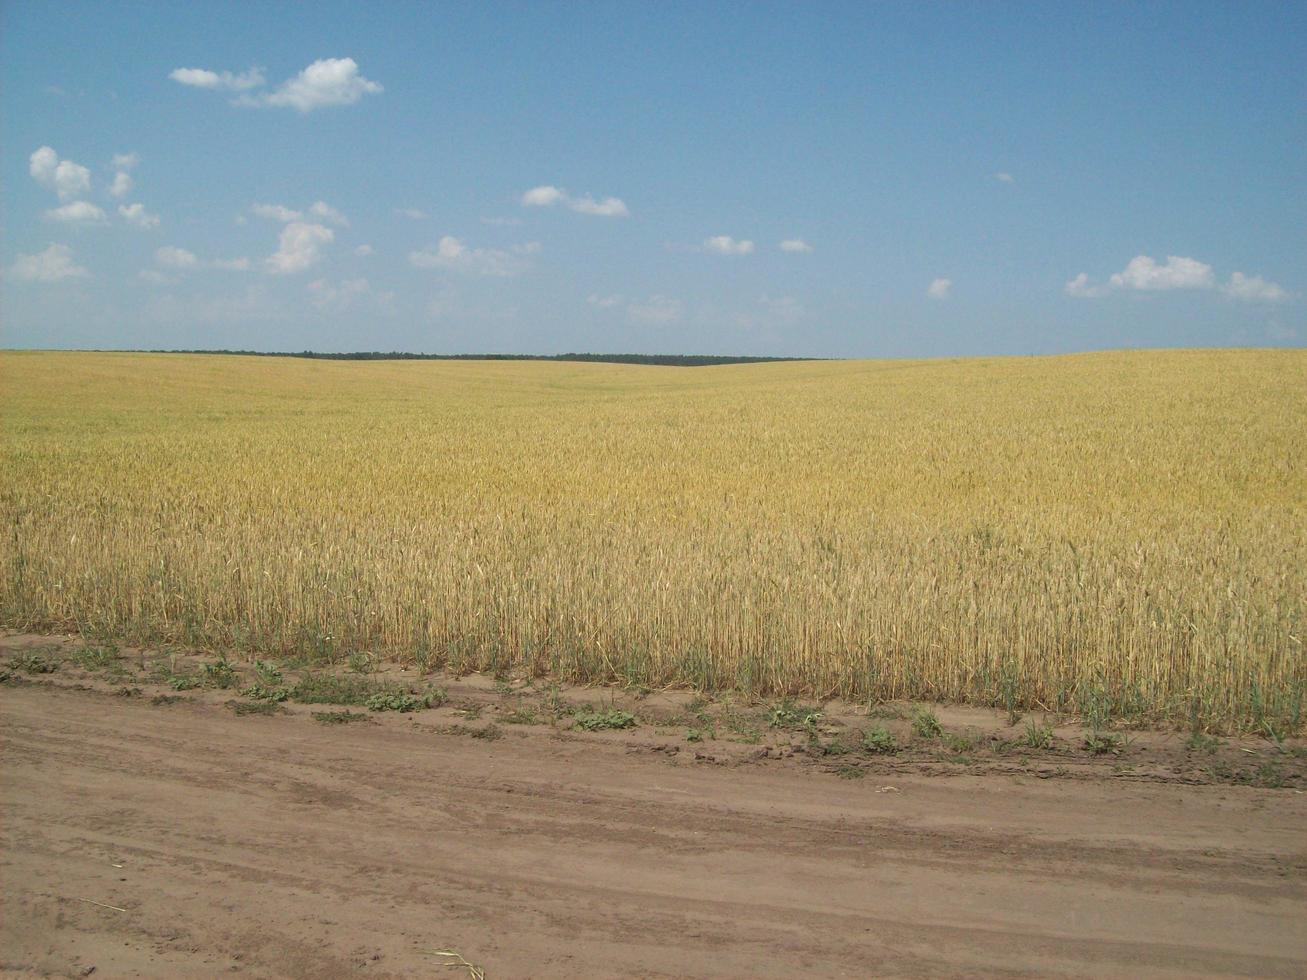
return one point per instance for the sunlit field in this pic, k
(1119, 533)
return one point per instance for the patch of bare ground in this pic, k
(166, 815)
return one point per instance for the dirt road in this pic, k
(183, 840)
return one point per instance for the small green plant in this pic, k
(183, 682)
(329, 689)
(925, 724)
(789, 715)
(959, 743)
(161, 699)
(598, 720)
(1268, 776)
(268, 673)
(1103, 743)
(34, 663)
(1038, 736)
(254, 707)
(694, 735)
(260, 693)
(520, 716)
(879, 741)
(1198, 742)
(98, 658)
(489, 733)
(361, 662)
(338, 717)
(220, 673)
(850, 771)
(404, 701)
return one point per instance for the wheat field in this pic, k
(1121, 532)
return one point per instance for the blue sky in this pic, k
(946, 179)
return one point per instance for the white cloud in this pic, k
(542, 197)
(411, 213)
(1144, 273)
(609, 207)
(656, 310)
(547, 196)
(172, 257)
(300, 248)
(1004, 178)
(726, 245)
(1081, 287)
(276, 212)
(502, 222)
(239, 264)
(137, 215)
(125, 161)
(603, 302)
(77, 213)
(795, 245)
(153, 276)
(1254, 289)
(327, 213)
(326, 82)
(53, 264)
(225, 80)
(939, 288)
(452, 254)
(363, 250)
(337, 297)
(122, 184)
(65, 178)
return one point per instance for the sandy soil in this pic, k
(181, 839)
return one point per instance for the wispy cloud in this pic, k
(135, 214)
(221, 80)
(547, 196)
(795, 245)
(1254, 289)
(53, 264)
(453, 255)
(656, 310)
(77, 213)
(939, 288)
(726, 245)
(1003, 177)
(413, 214)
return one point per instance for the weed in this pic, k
(404, 701)
(329, 689)
(339, 717)
(520, 716)
(1198, 742)
(269, 673)
(1038, 736)
(593, 720)
(34, 663)
(836, 746)
(260, 693)
(1268, 775)
(97, 658)
(361, 662)
(167, 699)
(959, 743)
(789, 715)
(850, 771)
(220, 673)
(1103, 743)
(490, 733)
(879, 741)
(925, 724)
(694, 735)
(183, 682)
(254, 707)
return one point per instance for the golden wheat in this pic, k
(1127, 527)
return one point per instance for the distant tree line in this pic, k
(672, 360)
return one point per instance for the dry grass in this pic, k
(1120, 533)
